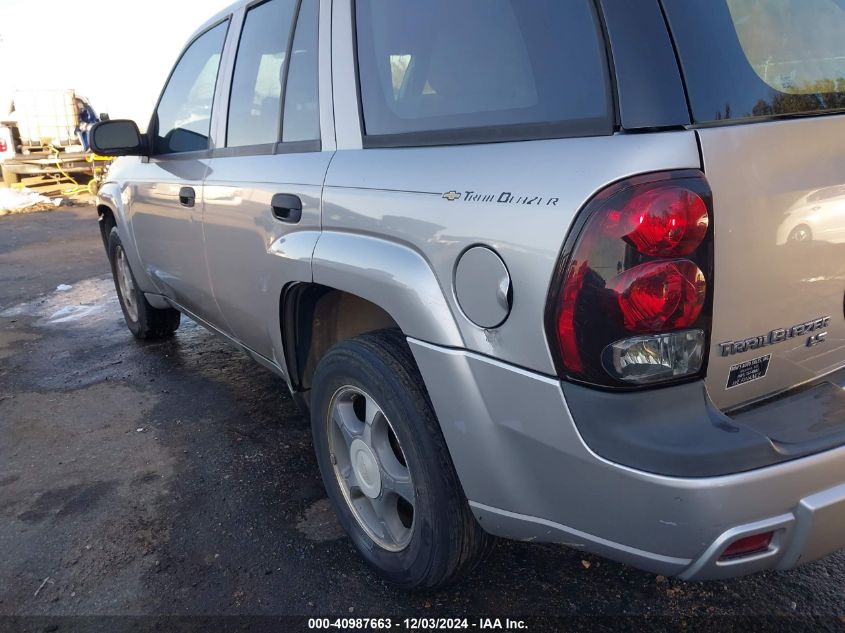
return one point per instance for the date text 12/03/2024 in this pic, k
(417, 624)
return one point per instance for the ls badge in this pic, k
(815, 339)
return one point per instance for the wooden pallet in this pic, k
(51, 187)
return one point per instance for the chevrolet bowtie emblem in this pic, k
(451, 196)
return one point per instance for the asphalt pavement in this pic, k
(178, 478)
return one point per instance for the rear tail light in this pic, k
(631, 305)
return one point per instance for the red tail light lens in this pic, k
(666, 222)
(661, 296)
(638, 263)
(3, 147)
(566, 319)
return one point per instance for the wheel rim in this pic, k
(371, 468)
(125, 284)
(801, 234)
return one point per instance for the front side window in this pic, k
(744, 59)
(444, 65)
(183, 116)
(255, 104)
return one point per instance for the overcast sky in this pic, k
(117, 53)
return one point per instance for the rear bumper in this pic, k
(529, 475)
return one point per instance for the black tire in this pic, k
(10, 178)
(149, 322)
(446, 542)
(801, 233)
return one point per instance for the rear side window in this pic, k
(183, 116)
(482, 69)
(746, 59)
(255, 103)
(302, 108)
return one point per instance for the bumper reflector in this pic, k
(748, 545)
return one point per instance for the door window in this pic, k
(302, 110)
(255, 104)
(445, 65)
(183, 116)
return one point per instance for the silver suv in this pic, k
(553, 271)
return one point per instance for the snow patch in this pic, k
(89, 302)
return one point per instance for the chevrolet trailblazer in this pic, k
(567, 272)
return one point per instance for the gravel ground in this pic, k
(177, 478)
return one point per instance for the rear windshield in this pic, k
(744, 59)
(444, 65)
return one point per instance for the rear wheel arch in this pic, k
(314, 318)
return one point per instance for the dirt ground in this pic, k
(177, 478)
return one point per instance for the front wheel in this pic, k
(142, 319)
(801, 233)
(386, 466)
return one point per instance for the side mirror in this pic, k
(117, 138)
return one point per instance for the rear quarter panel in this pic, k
(518, 198)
